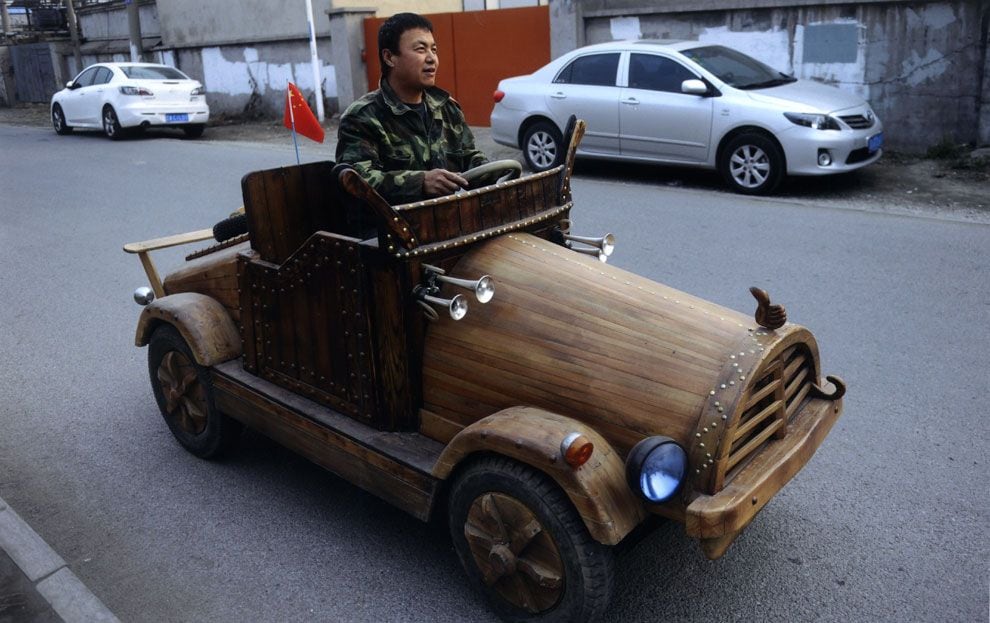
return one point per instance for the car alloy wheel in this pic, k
(750, 166)
(542, 149)
(111, 126)
(58, 120)
(542, 146)
(752, 163)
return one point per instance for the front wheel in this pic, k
(523, 544)
(184, 394)
(58, 121)
(752, 164)
(543, 146)
(111, 125)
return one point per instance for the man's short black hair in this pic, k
(391, 31)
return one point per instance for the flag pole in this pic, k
(292, 118)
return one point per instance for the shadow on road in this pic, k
(829, 186)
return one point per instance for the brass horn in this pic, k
(457, 306)
(603, 246)
(602, 257)
(606, 243)
(483, 287)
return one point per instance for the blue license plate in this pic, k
(875, 142)
(181, 117)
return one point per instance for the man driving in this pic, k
(408, 139)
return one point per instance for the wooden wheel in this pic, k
(523, 544)
(514, 552)
(185, 399)
(185, 396)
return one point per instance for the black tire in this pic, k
(543, 146)
(230, 227)
(111, 125)
(58, 121)
(567, 575)
(194, 131)
(189, 409)
(752, 164)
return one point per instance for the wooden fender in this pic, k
(203, 322)
(532, 436)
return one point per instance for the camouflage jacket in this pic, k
(386, 142)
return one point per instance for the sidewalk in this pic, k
(35, 583)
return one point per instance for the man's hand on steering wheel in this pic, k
(439, 182)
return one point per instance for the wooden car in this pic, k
(548, 422)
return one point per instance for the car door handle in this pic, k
(631, 101)
(558, 95)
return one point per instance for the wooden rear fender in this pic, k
(533, 436)
(201, 320)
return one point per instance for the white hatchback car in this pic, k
(115, 96)
(687, 103)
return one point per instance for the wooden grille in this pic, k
(773, 400)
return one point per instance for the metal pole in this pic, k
(74, 32)
(134, 23)
(315, 60)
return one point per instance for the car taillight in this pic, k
(135, 91)
(498, 95)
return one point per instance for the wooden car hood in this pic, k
(571, 335)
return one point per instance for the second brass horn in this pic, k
(483, 287)
(457, 306)
(606, 244)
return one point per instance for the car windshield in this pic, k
(736, 69)
(143, 72)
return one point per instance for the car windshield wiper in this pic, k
(776, 82)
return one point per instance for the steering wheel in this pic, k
(492, 173)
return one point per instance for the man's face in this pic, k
(415, 66)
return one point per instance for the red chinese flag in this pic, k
(298, 110)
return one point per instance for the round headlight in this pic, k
(655, 468)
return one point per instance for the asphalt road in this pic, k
(889, 521)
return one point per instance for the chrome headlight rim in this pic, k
(638, 460)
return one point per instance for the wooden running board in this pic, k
(394, 466)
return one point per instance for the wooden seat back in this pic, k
(285, 206)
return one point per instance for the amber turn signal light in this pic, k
(498, 95)
(576, 449)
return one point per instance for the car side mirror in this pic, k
(70, 84)
(694, 87)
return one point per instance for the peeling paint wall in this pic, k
(922, 65)
(251, 80)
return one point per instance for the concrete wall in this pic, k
(109, 21)
(251, 80)
(385, 8)
(195, 23)
(922, 65)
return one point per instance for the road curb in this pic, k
(51, 577)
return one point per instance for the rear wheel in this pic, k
(523, 544)
(543, 146)
(58, 121)
(111, 125)
(194, 131)
(752, 164)
(184, 394)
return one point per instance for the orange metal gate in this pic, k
(476, 50)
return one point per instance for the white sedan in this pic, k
(116, 96)
(687, 103)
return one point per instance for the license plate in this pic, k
(180, 117)
(875, 142)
